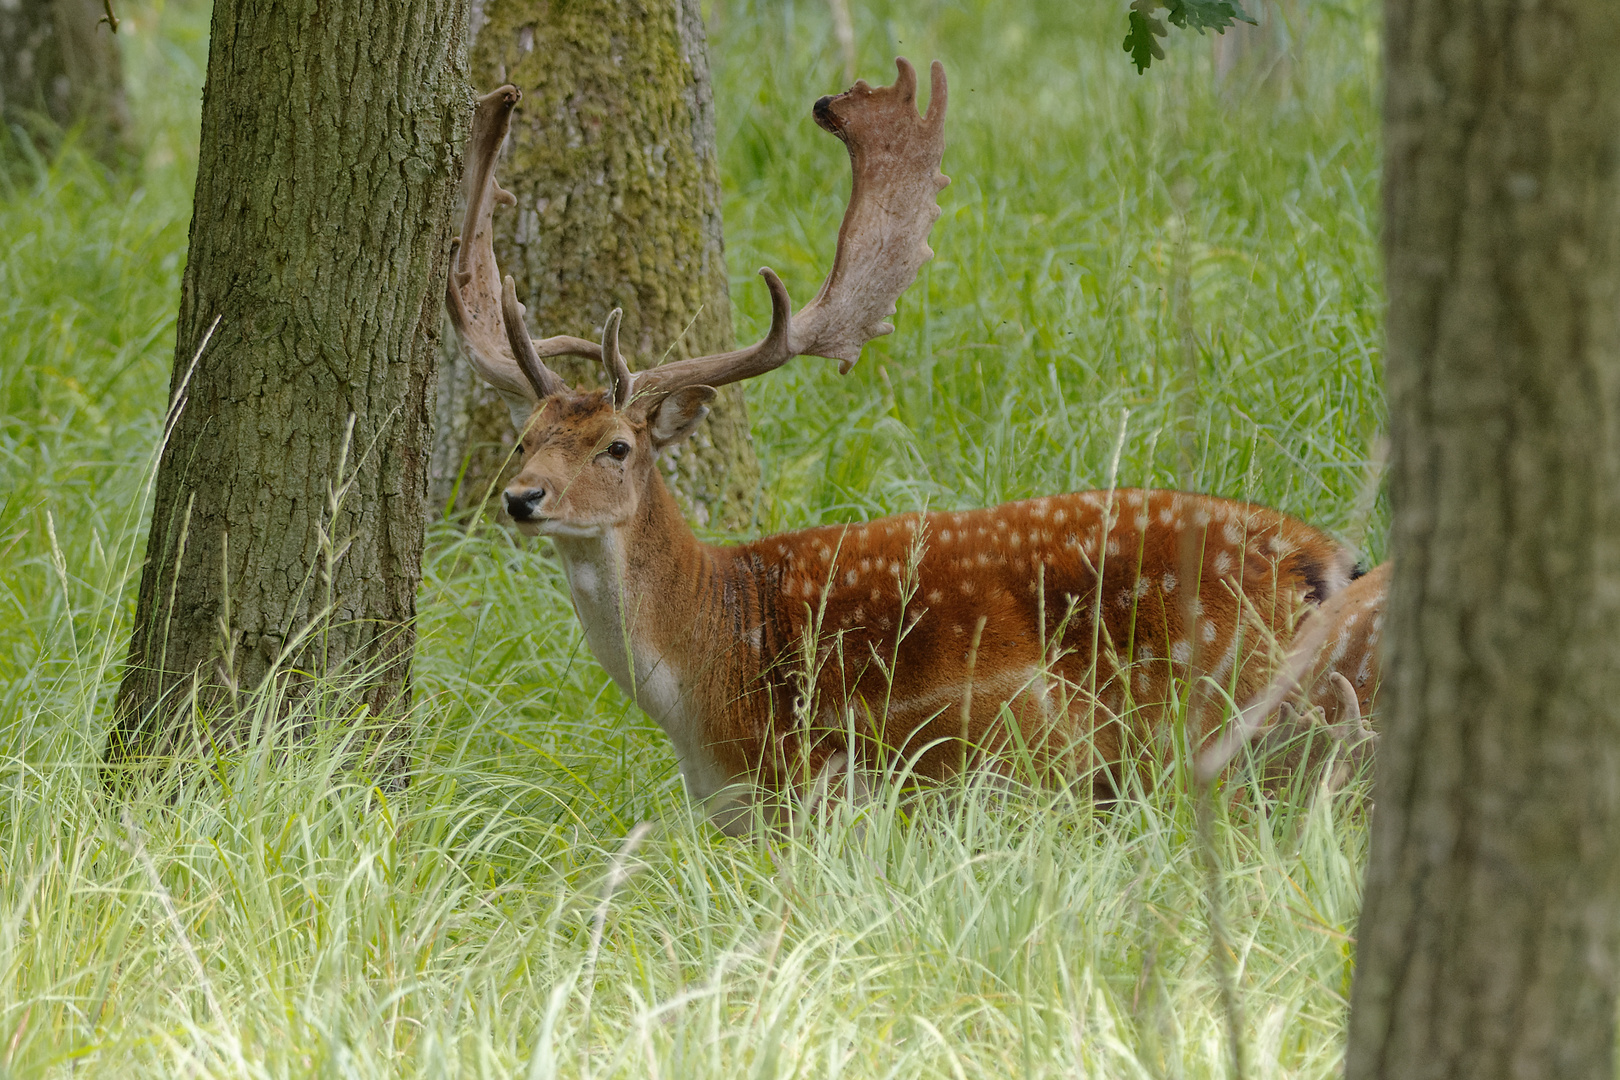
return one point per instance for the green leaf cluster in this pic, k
(1144, 26)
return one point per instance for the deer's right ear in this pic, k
(679, 414)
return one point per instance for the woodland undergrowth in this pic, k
(1148, 257)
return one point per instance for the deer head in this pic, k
(588, 455)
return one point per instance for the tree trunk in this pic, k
(290, 498)
(59, 67)
(1488, 941)
(1258, 55)
(612, 159)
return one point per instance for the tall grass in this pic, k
(1116, 253)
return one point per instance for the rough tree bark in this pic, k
(612, 159)
(59, 66)
(291, 493)
(1488, 941)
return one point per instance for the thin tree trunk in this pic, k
(1488, 940)
(612, 159)
(844, 35)
(1259, 55)
(59, 67)
(288, 517)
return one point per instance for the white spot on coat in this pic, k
(1220, 670)
(1340, 647)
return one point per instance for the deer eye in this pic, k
(618, 450)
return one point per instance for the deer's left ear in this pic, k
(679, 414)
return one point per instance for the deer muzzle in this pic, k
(524, 503)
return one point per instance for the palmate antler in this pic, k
(487, 317)
(895, 155)
(883, 242)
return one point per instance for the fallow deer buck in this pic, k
(1059, 627)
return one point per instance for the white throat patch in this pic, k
(595, 569)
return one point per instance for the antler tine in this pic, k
(545, 381)
(492, 334)
(895, 156)
(620, 381)
(768, 354)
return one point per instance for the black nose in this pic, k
(522, 504)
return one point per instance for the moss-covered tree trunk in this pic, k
(1489, 943)
(290, 498)
(59, 67)
(612, 159)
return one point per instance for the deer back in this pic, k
(1069, 626)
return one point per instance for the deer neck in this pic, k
(637, 590)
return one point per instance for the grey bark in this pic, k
(1258, 55)
(612, 159)
(290, 497)
(1489, 934)
(59, 67)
